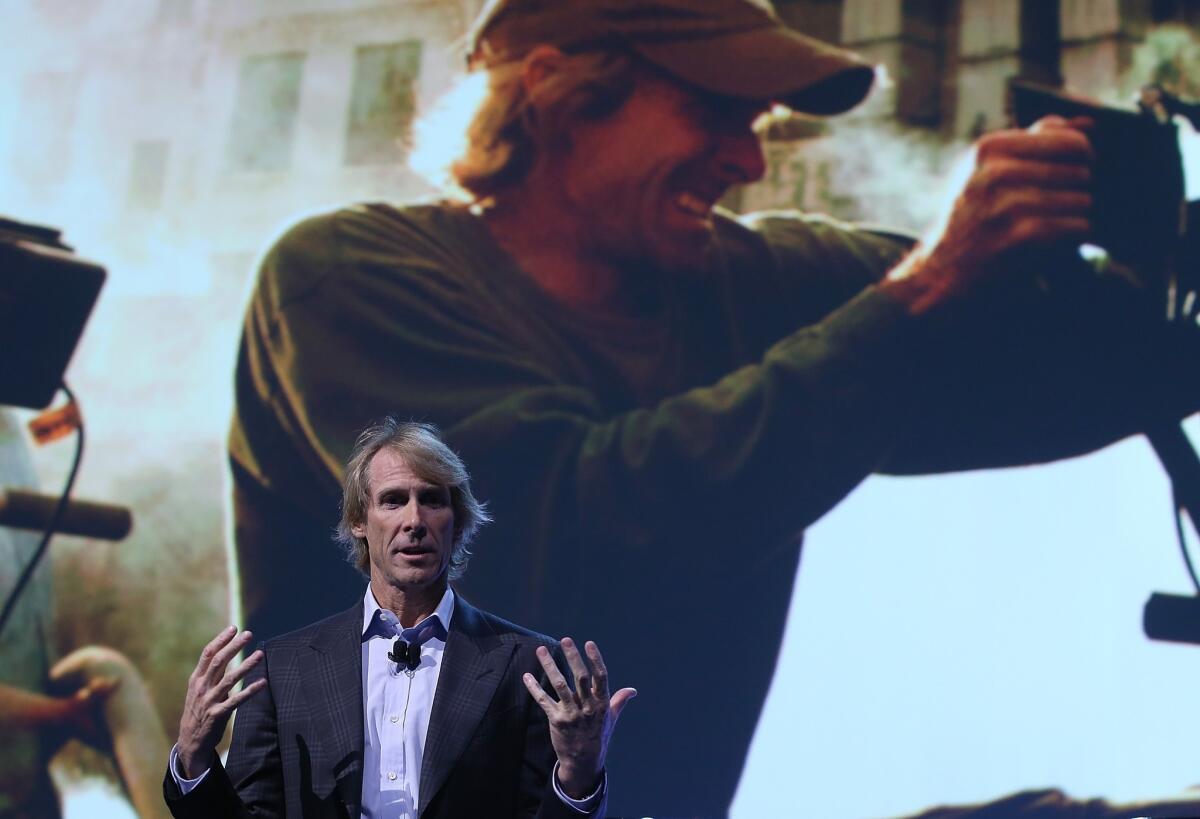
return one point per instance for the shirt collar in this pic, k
(380, 622)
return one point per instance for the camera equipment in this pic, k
(1137, 178)
(1140, 218)
(32, 510)
(46, 296)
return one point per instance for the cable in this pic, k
(1187, 558)
(27, 573)
(1182, 463)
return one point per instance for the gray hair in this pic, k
(422, 448)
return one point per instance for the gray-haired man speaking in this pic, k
(411, 703)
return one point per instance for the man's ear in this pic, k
(358, 530)
(540, 66)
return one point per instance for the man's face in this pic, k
(409, 527)
(642, 182)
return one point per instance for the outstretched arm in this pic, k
(76, 716)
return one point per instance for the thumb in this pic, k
(619, 700)
(100, 687)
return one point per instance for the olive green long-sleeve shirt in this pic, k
(650, 476)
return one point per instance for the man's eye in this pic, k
(435, 499)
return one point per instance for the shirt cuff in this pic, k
(187, 785)
(585, 805)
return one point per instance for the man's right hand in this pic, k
(1028, 189)
(211, 699)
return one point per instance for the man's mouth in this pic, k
(414, 549)
(693, 204)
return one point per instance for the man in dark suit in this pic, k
(449, 720)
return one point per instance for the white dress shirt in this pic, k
(397, 703)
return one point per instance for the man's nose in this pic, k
(411, 517)
(740, 156)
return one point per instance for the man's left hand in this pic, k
(581, 721)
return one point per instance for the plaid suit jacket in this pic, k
(298, 745)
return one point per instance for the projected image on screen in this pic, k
(778, 364)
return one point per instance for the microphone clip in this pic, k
(405, 654)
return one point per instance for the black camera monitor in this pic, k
(46, 296)
(1137, 181)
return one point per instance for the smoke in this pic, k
(440, 134)
(1170, 56)
(860, 169)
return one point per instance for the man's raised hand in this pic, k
(1028, 189)
(211, 699)
(581, 721)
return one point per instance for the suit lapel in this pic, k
(331, 678)
(473, 665)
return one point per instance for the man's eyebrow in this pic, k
(419, 487)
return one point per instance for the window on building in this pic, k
(43, 140)
(264, 116)
(927, 40)
(381, 102)
(147, 174)
(174, 11)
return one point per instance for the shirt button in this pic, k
(395, 718)
(392, 775)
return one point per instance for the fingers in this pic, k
(99, 689)
(1055, 142)
(1010, 207)
(579, 670)
(591, 693)
(237, 698)
(555, 677)
(220, 660)
(211, 650)
(213, 679)
(1018, 171)
(239, 672)
(619, 700)
(1054, 121)
(599, 669)
(539, 696)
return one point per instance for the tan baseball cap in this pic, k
(729, 47)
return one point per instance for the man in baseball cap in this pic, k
(727, 47)
(658, 395)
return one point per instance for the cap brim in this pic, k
(770, 63)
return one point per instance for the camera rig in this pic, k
(1140, 213)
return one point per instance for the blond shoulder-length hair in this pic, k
(510, 126)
